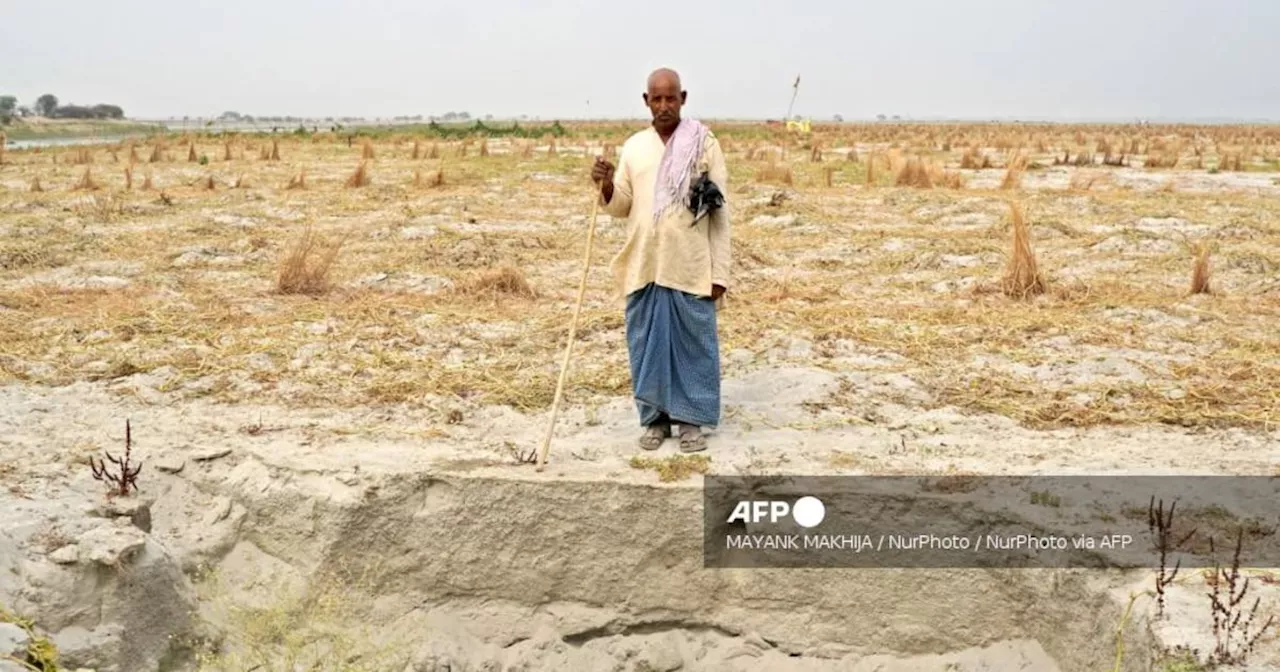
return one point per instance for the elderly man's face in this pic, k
(664, 99)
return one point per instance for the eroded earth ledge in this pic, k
(271, 535)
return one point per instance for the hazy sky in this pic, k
(1054, 59)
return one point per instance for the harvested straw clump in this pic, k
(305, 268)
(1022, 276)
(772, 172)
(271, 153)
(913, 174)
(86, 182)
(920, 174)
(366, 151)
(360, 178)
(299, 181)
(1200, 271)
(505, 281)
(1013, 174)
(433, 178)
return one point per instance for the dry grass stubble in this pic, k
(460, 291)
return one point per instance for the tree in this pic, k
(7, 104)
(108, 112)
(46, 105)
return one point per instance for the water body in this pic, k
(64, 142)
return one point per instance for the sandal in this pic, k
(692, 440)
(654, 435)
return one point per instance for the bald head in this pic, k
(665, 97)
(664, 77)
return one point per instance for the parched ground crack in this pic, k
(614, 628)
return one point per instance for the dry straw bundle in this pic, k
(360, 178)
(913, 174)
(1013, 173)
(306, 267)
(87, 182)
(270, 154)
(433, 178)
(1200, 270)
(504, 281)
(772, 172)
(1022, 276)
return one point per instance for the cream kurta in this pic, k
(670, 253)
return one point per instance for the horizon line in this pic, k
(420, 119)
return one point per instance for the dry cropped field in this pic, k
(1057, 275)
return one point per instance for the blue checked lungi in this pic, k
(675, 356)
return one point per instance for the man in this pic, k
(673, 269)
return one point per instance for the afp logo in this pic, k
(808, 511)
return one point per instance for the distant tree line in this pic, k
(236, 117)
(47, 106)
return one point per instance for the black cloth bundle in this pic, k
(704, 196)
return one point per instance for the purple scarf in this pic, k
(683, 151)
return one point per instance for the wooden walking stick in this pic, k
(573, 330)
